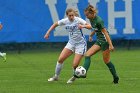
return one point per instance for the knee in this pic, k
(87, 55)
(106, 60)
(60, 60)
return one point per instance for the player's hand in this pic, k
(111, 47)
(90, 39)
(47, 36)
(81, 26)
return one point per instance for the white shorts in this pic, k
(77, 48)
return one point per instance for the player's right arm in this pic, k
(50, 29)
(59, 23)
(91, 35)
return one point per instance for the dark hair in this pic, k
(91, 9)
(69, 10)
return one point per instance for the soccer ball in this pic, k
(80, 71)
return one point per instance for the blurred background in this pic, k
(26, 21)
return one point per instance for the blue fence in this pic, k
(28, 20)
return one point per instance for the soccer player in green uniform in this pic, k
(3, 55)
(103, 42)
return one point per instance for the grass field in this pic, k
(28, 73)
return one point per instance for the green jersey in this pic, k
(98, 24)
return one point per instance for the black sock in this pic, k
(112, 69)
(87, 63)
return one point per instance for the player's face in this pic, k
(71, 16)
(89, 15)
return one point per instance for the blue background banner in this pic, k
(28, 20)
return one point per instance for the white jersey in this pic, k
(75, 34)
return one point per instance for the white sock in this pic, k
(1, 54)
(58, 69)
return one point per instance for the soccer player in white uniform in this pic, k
(76, 44)
(3, 55)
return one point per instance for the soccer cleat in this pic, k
(4, 57)
(83, 76)
(80, 76)
(76, 76)
(54, 78)
(116, 80)
(71, 80)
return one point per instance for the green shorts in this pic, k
(103, 44)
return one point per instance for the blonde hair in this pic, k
(69, 10)
(91, 9)
(76, 13)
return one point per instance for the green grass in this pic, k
(28, 73)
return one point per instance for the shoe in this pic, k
(116, 80)
(80, 76)
(4, 57)
(54, 78)
(71, 80)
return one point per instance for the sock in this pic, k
(58, 68)
(1, 54)
(87, 63)
(74, 72)
(112, 69)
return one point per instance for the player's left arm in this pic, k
(87, 26)
(104, 31)
(84, 24)
(111, 47)
(91, 35)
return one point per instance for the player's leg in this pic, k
(3, 55)
(106, 58)
(93, 50)
(64, 55)
(76, 61)
(66, 52)
(80, 50)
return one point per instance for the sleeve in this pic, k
(81, 21)
(62, 22)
